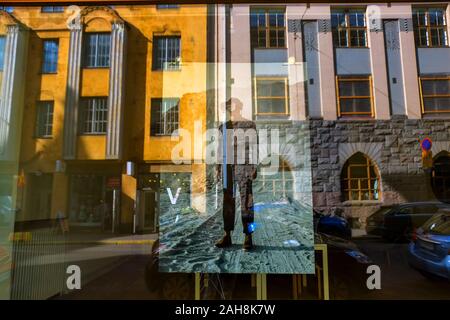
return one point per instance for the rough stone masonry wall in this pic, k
(393, 145)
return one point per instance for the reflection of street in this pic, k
(125, 281)
(41, 262)
(398, 279)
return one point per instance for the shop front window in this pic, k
(92, 200)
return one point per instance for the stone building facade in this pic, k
(393, 145)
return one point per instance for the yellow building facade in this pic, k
(104, 91)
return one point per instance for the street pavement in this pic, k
(398, 281)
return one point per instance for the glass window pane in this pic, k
(436, 87)
(356, 106)
(358, 172)
(272, 106)
(437, 104)
(50, 56)
(166, 53)
(354, 88)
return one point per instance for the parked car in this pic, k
(332, 225)
(347, 272)
(429, 252)
(398, 222)
(347, 267)
(375, 222)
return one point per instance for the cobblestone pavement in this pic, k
(283, 243)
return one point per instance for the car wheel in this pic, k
(177, 287)
(339, 289)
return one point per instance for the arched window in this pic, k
(360, 179)
(440, 177)
(279, 184)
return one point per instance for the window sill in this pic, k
(436, 115)
(269, 48)
(433, 47)
(361, 202)
(342, 47)
(48, 73)
(92, 68)
(91, 134)
(356, 118)
(168, 70)
(43, 137)
(164, 136)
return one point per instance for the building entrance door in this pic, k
(148, 211)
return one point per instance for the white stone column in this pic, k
(114, 137)
(326, 67)
(297, 105)
(379, 74)
(410, 73)
(72, 92)
(241, 57)
(12, 91)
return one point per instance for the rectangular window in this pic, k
(430, 27)
(271, 96)
(7, 9)
(44, 119)
(97, 50)
(349, 28)
(94, 115)
(354, 95)
(164, 116)
(268, 28)
(166, 53)
(52, 9)
(2, 52)
(435, 93)
(50, 56)
(167, 6)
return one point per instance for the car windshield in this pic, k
(439, 224)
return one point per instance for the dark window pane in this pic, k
(354, 88)
(94, 115)
(52, 9)
(97, 49)
(50, 56)
(436, 104)
(167, 6)
(44, 125)
(272, 106)
(166, 53)
(358, 172)
(436, 87)
(164, 116)
(355, 106)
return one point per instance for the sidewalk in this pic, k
(85, 238)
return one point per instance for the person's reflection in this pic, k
(239, 168)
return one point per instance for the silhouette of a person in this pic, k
(240, 169)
